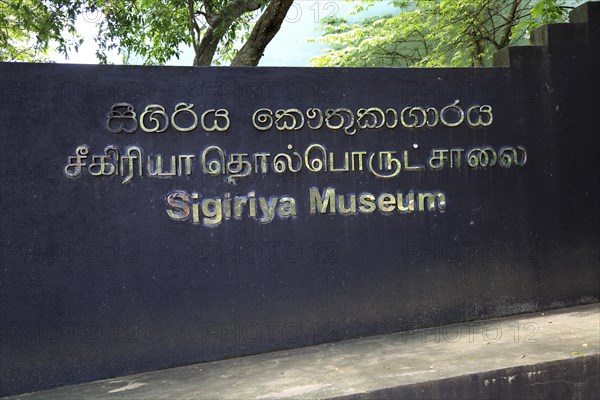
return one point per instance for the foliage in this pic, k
(155, 30)
(28, 26)
(433, 33)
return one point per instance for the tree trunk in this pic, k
(478, 50)
(511, 22)
(205, 50)
(263, 32)
(218, 25)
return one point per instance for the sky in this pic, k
(290, 47)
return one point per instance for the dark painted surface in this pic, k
(97, 281)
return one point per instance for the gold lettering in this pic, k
(406, 203)
(179, 208)
(263, 162)
(212, 210)
(287, 207)
(154, 111)
(220, 113)
(157, 169)
(431, 201)
(73, 168)
(386, 202)
(238, 205)
(185, 160)
(182, 107)
(133, 157)
(252, 201)
(408, 167)
(438, 158)
(195, 209)
(367, 203)
(267, 208)
(351, 209)
(357, 158)
(227, 205)
(320, 203)
(332, 167)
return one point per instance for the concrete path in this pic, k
(531, 349)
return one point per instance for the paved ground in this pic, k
(369, 364)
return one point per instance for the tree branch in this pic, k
(511, 19)
(218, 25)
(263, 32)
